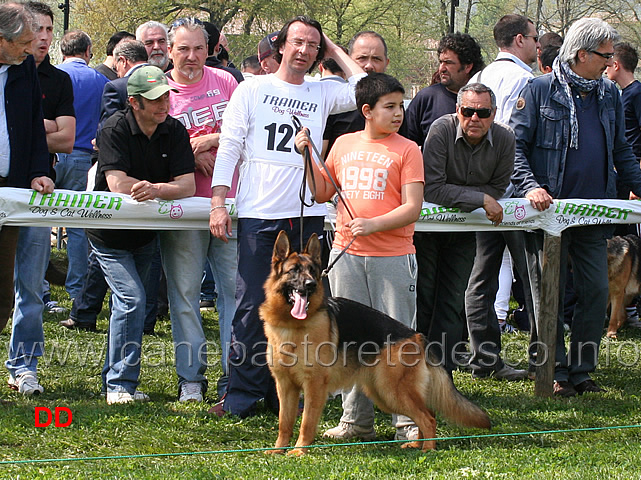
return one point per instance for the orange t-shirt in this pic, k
(370, 174)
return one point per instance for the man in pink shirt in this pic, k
(203, 93)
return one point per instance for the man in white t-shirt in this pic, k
(201, 94)
(257, 128)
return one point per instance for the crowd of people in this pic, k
(167, 116)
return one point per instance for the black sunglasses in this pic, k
(481, 112)
(607, 56)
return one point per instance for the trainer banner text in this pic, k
(110, 210)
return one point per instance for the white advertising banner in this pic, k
(110, 210)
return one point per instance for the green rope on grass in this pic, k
(253, 450)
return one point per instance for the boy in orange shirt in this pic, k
(380, 174)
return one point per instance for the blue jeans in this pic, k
(87, 305)
(208, 285)
(152, 287)
(27, 336)
(126, 273)
(71, 174)
(184, 253)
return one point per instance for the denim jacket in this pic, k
(541, 122)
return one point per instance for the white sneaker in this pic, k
(347, 431)
(191, 392)
(27, 383)
(408, 434)
(126, 397)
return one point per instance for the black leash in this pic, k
(339, 192)
(307, 170)
(308, 167)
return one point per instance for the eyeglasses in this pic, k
(481, 112)
(535, 37)
(183, 21)
(298, 44)
(607, 56)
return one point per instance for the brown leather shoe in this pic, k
(73, 325)
(564, 389)
(588, 386)
(217, 409)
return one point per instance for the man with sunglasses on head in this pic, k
(468, 160)
(570, 143)
(198, 100)
(257, 127)
(518, 40)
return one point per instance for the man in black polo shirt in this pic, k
(146, 154)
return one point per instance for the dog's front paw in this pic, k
(298, 452)
(276, 451)
(426, 445)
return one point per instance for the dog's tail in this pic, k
(443, 397)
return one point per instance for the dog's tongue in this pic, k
(299, 310)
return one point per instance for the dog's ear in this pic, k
(313, 248)
(281, 247)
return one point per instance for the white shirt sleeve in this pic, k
(234, 132)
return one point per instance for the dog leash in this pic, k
(307, 170)
(307, 156)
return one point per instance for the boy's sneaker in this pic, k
(52, 307)
(347, 431)
(191, 392)
(126, 397)
(407, 434)
(27, 383)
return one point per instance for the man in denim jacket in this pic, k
(570, 138)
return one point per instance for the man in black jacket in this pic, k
(24, 157)
(34, 243)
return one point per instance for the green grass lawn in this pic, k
(70, 374)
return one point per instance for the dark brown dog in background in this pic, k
(321, 346)
(624, 277)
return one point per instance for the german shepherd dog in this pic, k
(321, 346)
(624, 277)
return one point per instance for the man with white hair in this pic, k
(153, 35)
(570, 143)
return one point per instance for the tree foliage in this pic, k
(411, 28)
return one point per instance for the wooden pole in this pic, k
(548, 316)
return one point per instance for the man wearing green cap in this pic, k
(146, 154)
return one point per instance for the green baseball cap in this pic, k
(149, 82)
